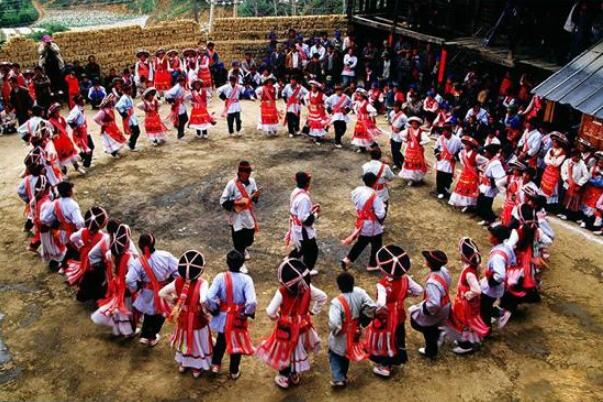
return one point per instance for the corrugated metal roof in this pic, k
(578, 84)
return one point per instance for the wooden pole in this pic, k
(211, 16)
(234, 9)
(196, 10)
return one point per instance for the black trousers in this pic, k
(87, 158)
(151, 326)
(242, 239)
(308, 252)
(401, 356)
(220, 349)
(431, 335)
(510, 302)
(486, 309)
(484, 208)
(22, 118)
(292, 123)
(397, 157)
(443, 182)
(133, 136)
(182, 120)
(375, 241)
(340, 128)
(231, 119)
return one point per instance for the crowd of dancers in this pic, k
(137, 286)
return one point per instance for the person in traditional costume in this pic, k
(500, 260)
(148, 274)
(112, 138)
(29, 128)
(115, 309)
(43, 146)
(466, 190)
(176, 97)
(125, 108)
(386, 335)
(63, 144)
(204, 63)
(593, 191)
(513, 196)
(237, 199)
(52, 250)
(293, 94)
(554, 158)
(267, 94)
(154, 128)
(397, 122)
(79, 130)
(200, 119)
(414, 139)
(317, 121)
(366, 130)
(26, 191)
(522, 278)
(175, 65)
(345, 343)
(530, 142)
(83, 241)
(493, 180)
(188, 294)
(587, 151)
(427, 316)
(231, 94)
(339, 106)
(231, 301)
(303, 215)
(294, 337)
(383, 173)
(162, 79)
(466, 326)
(60, 219)
(143, 70)
(446, 151)
(574, 175)
(368, 228)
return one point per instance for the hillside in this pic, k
(15, 13)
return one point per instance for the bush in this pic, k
(48, 29)
(17, 12)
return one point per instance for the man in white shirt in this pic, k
(574, 174)
(397, 120)
(446, 152)
(349, 67)
(369, 223)
(493, 180)
(293, 94)
(480, 114)
(231, 94)
(303, 215)
(175, 96)
(238, 198)
(338, 106)
(382, 171)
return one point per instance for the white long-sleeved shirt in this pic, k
(349, 65)
(243, 219)
(228, 90)
(453, 145)
(530, 142)
(387, 175)
(177, 93)
(501, 258)
(294, 106)
(398, 123)
(360, 196)
(580, 173)
(301, 208)
(493, 171)
(76, 116)
(125, 105)
(338, 115)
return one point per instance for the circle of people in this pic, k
(138, 288)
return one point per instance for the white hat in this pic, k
(316, 83)
(148, 91)
(415, 118)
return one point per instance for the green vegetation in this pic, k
(48, 29)
(142, 6)
(260, 8)
(16, 13)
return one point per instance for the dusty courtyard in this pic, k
(550, 352)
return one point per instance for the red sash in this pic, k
(338, 108)
(446, 155)
(77, 269)
(143, 69)
(377, 185)
(364, 214)
(355, 349)
(235, 328)
(234, 97)
(193, 318)
(293, 219)
(160, 305)
(446, 299)
(292, 100)
(64, 225)
(249, 205)
(116, 287)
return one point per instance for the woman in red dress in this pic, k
(294, 337)
(111, 136)
(593, 191)
(466, 326)
(512, 197)
(153, 126)
(415, 138)
(366, 129)
(549, 183)
(163, 78)
(204, 72)
(318, 120)
(63, 144)
(267, 94)
(467, 187)
(200, 119)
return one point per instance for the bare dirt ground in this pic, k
(550, 352)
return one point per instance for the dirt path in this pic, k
(550, 352)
